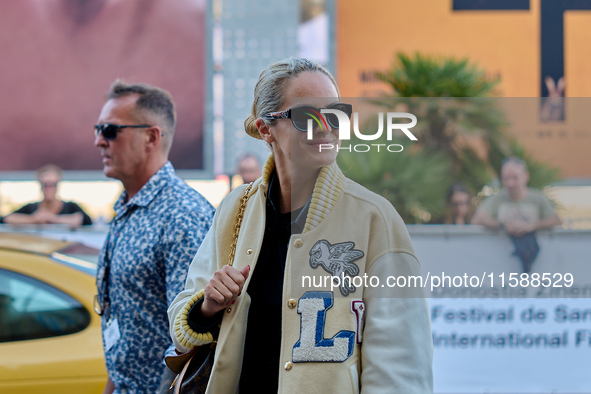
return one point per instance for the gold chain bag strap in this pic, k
(198, 362)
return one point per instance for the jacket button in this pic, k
(288, 366)
(298, 243)
(229, 310)
(292, 303)
(249, 251)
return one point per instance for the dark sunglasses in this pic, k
(46, 185)
(300, 115)
(109, 130)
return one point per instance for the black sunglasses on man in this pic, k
(109, 130)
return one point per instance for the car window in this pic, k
(31, 309)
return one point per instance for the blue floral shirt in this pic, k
(151, 243)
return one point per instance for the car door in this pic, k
(50, 339)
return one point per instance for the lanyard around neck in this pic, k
(102, 298)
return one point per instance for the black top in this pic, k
(262, 347)
(68, 207)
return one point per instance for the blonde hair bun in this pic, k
(250, 126)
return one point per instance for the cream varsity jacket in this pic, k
(348, 338)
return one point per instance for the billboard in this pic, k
(59, 59)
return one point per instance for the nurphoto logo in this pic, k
(344, 127)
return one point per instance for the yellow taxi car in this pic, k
(50, 337)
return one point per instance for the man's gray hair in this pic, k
(151, 99)
(514, 160)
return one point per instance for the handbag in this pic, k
(194, 367)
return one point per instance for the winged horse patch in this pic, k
(337, 260)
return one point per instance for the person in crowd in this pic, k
(304, 218)
(159, 224)
(50, 210)
(517, 208)
(459, 205)
(249, 168)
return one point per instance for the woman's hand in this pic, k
(225, 286)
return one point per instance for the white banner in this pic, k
(537, 341)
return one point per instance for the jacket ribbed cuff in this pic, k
(186, 336)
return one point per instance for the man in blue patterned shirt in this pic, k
(159, 224)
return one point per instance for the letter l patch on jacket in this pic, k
(312, 346)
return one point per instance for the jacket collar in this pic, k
(327, 190)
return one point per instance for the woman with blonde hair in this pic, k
(277, 329)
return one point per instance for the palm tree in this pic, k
(453, 98)
(460, 131)
(415, 182)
